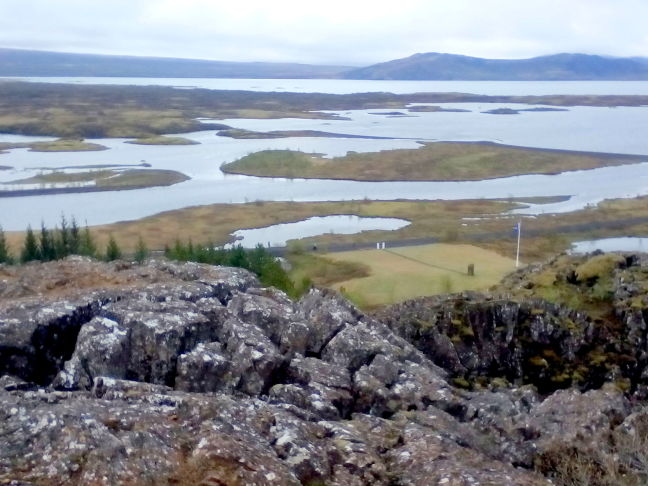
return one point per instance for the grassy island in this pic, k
(61, 145)
(100, 180)
(441, 161)
(162, 140)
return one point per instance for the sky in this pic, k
(342, 32)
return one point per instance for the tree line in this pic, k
(69, 239)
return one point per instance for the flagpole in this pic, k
(517, 254)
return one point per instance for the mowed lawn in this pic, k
(403, 273)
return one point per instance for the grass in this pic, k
(441, 161)
(323, 270)
(399, 274)
(162, 140)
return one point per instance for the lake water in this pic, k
(611, 244)
(279, 234)
(618, 130)
(344, 86)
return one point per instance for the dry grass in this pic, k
(441, 161)
(407, 272)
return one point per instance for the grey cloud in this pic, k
(339, 31)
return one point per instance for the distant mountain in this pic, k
(17, 62)
(435, 66)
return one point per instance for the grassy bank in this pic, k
(441, 161)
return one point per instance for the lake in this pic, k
(348, 86)
(618, 130)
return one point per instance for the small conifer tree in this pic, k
(141, 251)
(75, 238)
(5, 255)
(48, 250)
(113, 252)
(30, 250)
(87, 246)
(62, 240)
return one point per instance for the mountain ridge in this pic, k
(18, 62)
(555, 67)
(420, 66)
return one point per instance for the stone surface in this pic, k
(185, 374)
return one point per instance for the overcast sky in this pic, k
(350, 32)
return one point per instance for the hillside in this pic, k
(16, 62)
(437, 66)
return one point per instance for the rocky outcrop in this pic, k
(589, 329)
(192, 374)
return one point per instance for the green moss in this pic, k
(538, 361)
(598, 266)
(623, 385)
(466, 332)
(461, 382)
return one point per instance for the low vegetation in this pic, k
(100, 180)
(241, 133)
(69, 239)
(258, 260)
(62, 145)
(441, 161)
(162, 140)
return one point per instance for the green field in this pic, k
(398, 274)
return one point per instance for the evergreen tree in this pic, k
(113, 252)
(30, 250)
(141, 251)
(62, 239)
(237, 257)
(87, 246)
(5, 256)
(75, 238)
(48, 249)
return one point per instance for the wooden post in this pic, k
(471, 269)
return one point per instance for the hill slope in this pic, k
(16, 62)
(436, 66)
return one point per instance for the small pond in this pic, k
(279, 234)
